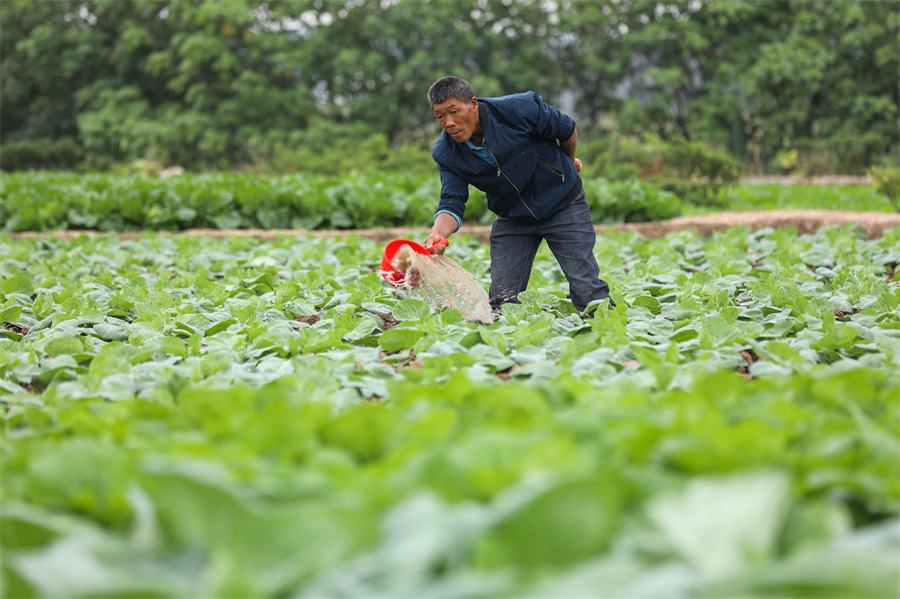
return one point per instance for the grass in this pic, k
(852, 198)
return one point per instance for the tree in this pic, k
(197, 83)
(374, 61)
(592, 51)
(209, 84)
(753, 76)
(47, 53)
(830, 83)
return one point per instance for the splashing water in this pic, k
(443, 284)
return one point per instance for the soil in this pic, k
(805, 221)
(310, 320)
(388, 320)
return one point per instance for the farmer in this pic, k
(507, 147)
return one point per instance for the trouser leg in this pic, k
(571, 237)
(513, 247)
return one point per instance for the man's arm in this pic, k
(454, 193)
(569, 146)
(549, 123)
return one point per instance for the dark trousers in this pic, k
(569, 234)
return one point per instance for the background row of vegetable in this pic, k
(47, 201)
(191, 417)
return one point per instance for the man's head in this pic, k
(455, 108)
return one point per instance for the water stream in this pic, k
(444, 284)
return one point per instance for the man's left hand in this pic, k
(577, 162)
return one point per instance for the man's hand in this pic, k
(444, 226)
(430, 242)
(569, 147)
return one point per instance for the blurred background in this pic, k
(752, 87)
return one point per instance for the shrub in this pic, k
(886, 181)
(344, 155)
(629, 201)
(844, 153)
(696, 172)
(37, 154)
(693, 171)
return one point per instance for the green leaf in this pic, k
(411, 309)
(59, 346)
(365, 431)
(376, 308)
(27, 527)
(515, 313)
(572, 521)
(192, 323)
(364, 327)
(220, 326)
(650, 303)
(258, 539)
(171, 345)
(17, 284)
(398, 338)
(721, 526)
(111, 332)
(471, 339)
(10, 314)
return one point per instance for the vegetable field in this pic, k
(189, 417)
(109, 202)
(52, 201)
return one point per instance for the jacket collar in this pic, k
(483, 117)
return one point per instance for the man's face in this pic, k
(459, 119)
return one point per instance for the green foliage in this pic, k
(691, 170)
(850, 114)
(175, 424)
(852, 198)
(215, 85)
(375, 61)
(629, 202)
(887, 183)
(196, 84)
(335, 151)
(700, 172)
(58, 154)
(758, 77)
(48, 201)
(212, 85)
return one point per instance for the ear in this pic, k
(474, 103)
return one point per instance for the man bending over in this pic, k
(521, 153)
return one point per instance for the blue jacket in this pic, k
(533, 175)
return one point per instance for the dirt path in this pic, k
(805, 221)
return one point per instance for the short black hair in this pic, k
(447, 88)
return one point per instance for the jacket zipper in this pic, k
(553, 170)
(518, 193)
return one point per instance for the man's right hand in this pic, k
(444, 226)
(430, 244)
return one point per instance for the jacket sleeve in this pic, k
(454, 193)
(547, 121)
